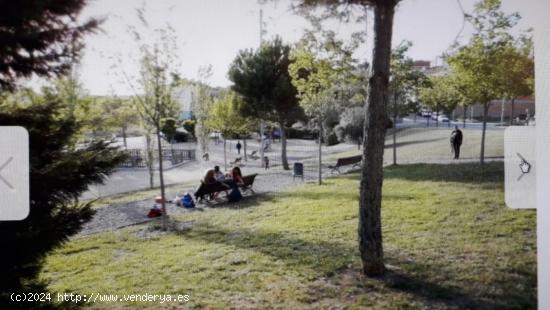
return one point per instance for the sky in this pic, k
(211, 32)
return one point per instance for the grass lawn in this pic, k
(449, 243)
(432, 145)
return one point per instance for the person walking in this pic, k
(239, 146)
(456, 142)
(266, 162)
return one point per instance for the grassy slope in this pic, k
(432, 145)
(449, 243)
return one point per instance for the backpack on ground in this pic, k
(235, 195)
(187, 201)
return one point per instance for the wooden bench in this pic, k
(205, 190)
(345, 161)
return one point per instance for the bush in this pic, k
(340, 133)
(168, 128)
(332, 139)
(189, 126)
(301, 133)
(181, 136)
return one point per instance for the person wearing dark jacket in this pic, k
(239, 146)
(456, 141)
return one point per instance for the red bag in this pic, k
(154, 213)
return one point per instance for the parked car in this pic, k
(425, 113)
(443, 118)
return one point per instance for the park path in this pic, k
(271, 182)
(414, 146)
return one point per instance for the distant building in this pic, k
(522, 106)
(185, 96)
(422, 65)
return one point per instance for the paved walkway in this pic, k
(413, 147)
(117, 216)
(128, 180)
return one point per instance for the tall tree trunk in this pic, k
(464, 108)
(370, 201)
(482, 154)
(284, 159)
(502, 112)
(150, 159)
(244, 149)
(262, 142)
(319, 166)
(124, 137)
(161, 180)
(512, 111)
(224, 154)
(395, 97)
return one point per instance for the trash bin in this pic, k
(298, 171)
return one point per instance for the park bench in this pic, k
(238, 160)
(346, 161)
(205, 190)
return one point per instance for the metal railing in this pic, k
(137, 158)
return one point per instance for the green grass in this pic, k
(140, 195)
(432, 145)
(449, 242)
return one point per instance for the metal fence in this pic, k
(137, 158)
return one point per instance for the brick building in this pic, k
(522, 106)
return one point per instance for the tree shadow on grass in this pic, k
(412, 142)
(331, 259)
(248, 201)
(492, 172)
(432, 292)
(473, 173)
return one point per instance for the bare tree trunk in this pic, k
(370, 201)
(161, 180)
(124, 137)
(244, 149)
(224, 154)
(482, 154)
(395, 97)
(464, 108)
(319, 167)
(262, 142)
(512, 111)
(284, 159)
(502, 112)
(149, 160)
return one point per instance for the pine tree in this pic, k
(41, 37)
(59, 173)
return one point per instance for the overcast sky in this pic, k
(213, 31)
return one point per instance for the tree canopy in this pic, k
(41, 37)
(261, 77)
(440, 94)
(480, 66)
(60, 171)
